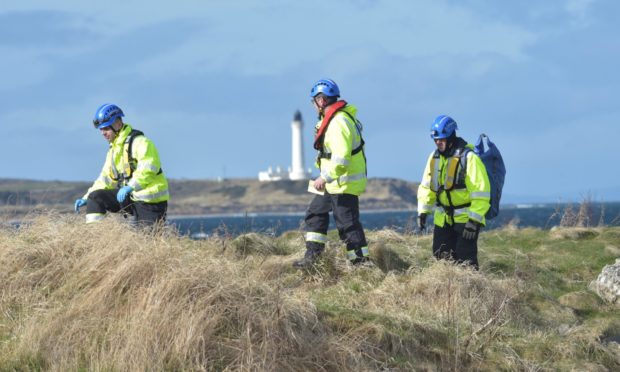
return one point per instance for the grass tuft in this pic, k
(104, 297)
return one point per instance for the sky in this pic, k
(215, 84)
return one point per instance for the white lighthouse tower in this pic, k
(297, 171)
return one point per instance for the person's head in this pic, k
(108, 120)
(323, 93)
(443, 132)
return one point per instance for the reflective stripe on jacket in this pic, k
(470, 202)
(344, 173)
(149, 182)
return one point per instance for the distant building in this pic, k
(270, 175)
(296, 171)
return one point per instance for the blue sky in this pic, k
(215, 84)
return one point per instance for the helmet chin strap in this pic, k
(327, 102)
(320, 110)
(451, 139)
(449, 144)
(117, 131)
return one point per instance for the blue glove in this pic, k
(123, 193)
(78, 204)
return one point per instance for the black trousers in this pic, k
(346, 212)
(448, 243)
(145, 214)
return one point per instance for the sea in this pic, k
(543, 216)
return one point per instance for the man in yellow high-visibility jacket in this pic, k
(131, 180)
(456, 185)
(342, 164)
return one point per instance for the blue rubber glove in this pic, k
(78, 204)
(123, 193)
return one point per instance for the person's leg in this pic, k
(347, 216)
(444, 241)
(149, 214)
(316, 223)
(466, 250)
(99, 203)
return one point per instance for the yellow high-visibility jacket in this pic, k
(148, 180)
(344, 173)
(470, 199)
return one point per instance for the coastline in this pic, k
(275, 214)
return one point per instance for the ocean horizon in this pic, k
(538, 215)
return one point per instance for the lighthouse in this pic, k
(297, 165)
(296, 171)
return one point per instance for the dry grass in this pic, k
(583, 217)
(106, 298)
(575, 233)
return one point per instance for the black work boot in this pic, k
(306, 262)
(362, 262)
(313, 250)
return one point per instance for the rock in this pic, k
(563, 329)
(607, 285)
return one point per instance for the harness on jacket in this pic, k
(129, 162)
(454, 178)
(319, 138)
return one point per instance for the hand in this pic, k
(123, 193)
(78, 204)
(471, 229)
(319, 183)
(422, 221)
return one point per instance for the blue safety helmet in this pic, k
(443, 127)
(106, 114)
(325, 86)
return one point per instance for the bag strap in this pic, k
(362, 143)
(129, 143)
(460, 153)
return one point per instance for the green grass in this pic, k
(102, 297)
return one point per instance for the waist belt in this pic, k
(450, 209)
(328, 155)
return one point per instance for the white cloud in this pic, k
(249, 38)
